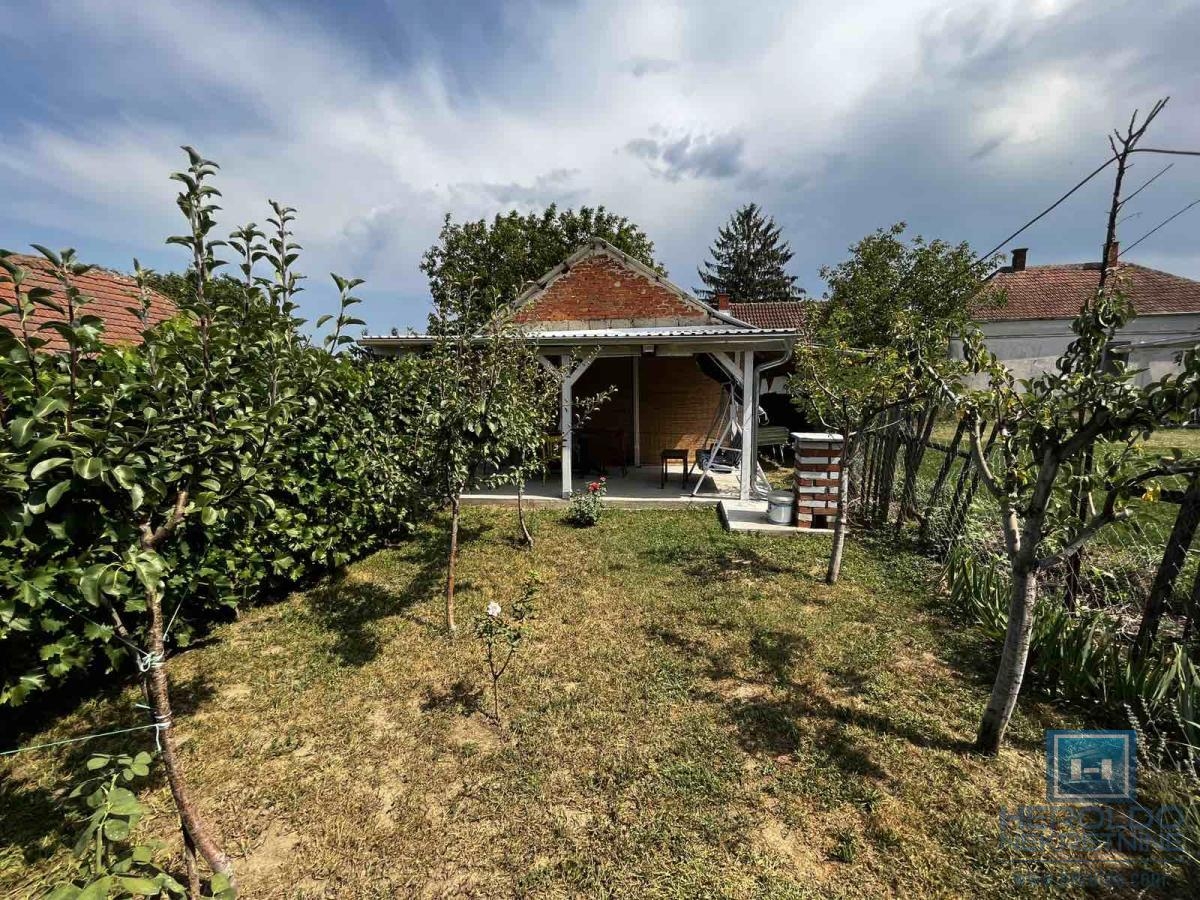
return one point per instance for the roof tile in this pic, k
(109, 296)
(770, 314)
(1059, 292)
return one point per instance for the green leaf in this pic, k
(116, 829)
(142, 887)
(47, 405)
(55, 493)
(125, 476)
(89, 468)
(21, 431)
(149, 568)
(47, 465)
(123, 802)
(97, 890)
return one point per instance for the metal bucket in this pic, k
(779, 507)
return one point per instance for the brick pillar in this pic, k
(818, 467)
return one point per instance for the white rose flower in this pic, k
(493, 609)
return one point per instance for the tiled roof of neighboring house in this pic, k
(770, 314)
(1059, 291)
(109, 296)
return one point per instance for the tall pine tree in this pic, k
(748, 259)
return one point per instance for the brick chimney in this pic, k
(1114, 255)
(723, 302)
(1018, 258)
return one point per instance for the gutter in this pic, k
(750, 336)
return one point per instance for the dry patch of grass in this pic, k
(694, 715)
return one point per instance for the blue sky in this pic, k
(375, 119)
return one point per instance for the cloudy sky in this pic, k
(375, 119)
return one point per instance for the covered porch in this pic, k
(638, 486)
(680, 392)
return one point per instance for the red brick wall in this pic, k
(678, 403)
(609, 432)
(600, 287)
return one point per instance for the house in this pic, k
(111, 297)
(1031, 328)
(678, 365)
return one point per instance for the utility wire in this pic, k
(1146, 184)
(1158, 226)
(1051, 207)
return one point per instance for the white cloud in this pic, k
(837, 118)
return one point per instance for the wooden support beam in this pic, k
(749, 412)
(569, 377)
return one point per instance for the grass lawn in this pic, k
(694, 715)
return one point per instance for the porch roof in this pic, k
(731, 335)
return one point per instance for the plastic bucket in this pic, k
(779, 507)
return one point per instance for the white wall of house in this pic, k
(1033, 346)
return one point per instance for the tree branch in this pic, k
(1109, 513)
(985, 471)
(151, 538)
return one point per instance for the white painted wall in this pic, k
(1033, 346)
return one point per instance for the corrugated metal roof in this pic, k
(656, 331)
(685, 333)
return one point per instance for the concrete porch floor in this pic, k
(639, 487)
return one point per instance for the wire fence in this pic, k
(918, 472)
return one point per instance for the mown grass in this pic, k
(694, 714)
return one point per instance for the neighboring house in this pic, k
(111, 297)
(673, 360)
(1030, 331)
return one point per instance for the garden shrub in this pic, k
(587, 506)
(302, 456)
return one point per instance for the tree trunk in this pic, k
(525, 535)
(1174, 557)
(839, 528)
(189, 866)
(451, 625)
(160, 702)
(1007, 686)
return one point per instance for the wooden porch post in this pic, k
(569, 377)
(637, 411)
(749, 412)
(564, 425)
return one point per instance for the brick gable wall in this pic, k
(600, 289)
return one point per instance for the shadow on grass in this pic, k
(350, 606)
(38, 820)
(777, 716)
(708, 563)
(462, 696)
(964, 649)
